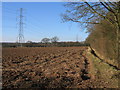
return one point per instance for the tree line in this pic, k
(40, 44)
(47, 40)
(102, 20)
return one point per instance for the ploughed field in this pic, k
(46, 67)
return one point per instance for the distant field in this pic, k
(47, 67)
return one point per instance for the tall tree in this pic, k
(45, 40)
(54, 39)
(90, 13)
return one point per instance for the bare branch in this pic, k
(99, 13)
(84, 22)
(112, 8)
(107, 7)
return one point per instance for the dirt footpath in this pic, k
(49, 67)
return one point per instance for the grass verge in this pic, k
(102, 71)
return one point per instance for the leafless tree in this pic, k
(54, 39)
(90, 13)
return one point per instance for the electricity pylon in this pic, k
(21, 36)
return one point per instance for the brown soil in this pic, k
(49, 67)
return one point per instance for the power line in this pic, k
(8, 9)
(9, 13)
(36, 23)
(34, 26)
(36, 20)
(33, 30)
